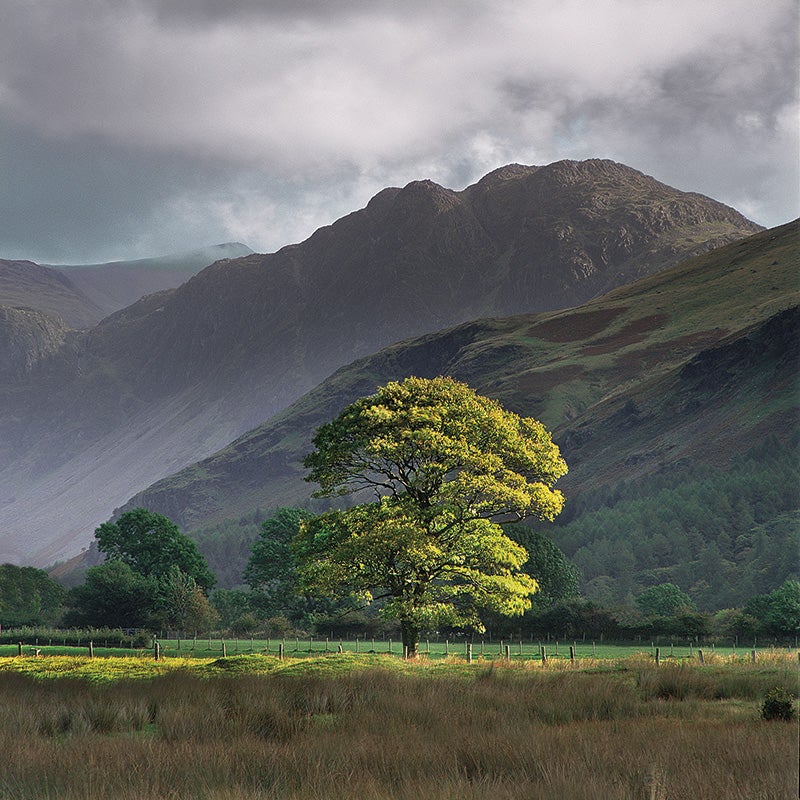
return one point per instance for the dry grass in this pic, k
(506, 732)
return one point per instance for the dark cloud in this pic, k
(134, 126)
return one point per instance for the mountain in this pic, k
(24, 284)
(81, 295)
(117, 284)
(179, 374)
(694, 365)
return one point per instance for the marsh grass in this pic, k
(351, 729)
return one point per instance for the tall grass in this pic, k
(499, 731)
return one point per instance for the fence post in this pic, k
(753, 655)
(91, 649)
(341, 648)
(156, 650)
(544, 654)
(280, 651)
(469, 652)
(593, 654)
(224, 649)
(700, 656)
(390, 645)
(508, 652)
(19, 648)
(658, 656)
(446, 647)
(572, 653)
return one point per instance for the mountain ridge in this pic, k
(171, 379)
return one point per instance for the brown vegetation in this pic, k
(502, 732)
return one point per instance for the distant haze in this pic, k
(134, 129)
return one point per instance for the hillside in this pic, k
(696, 365)
(24, 284)
(179, 374)
(114, 285)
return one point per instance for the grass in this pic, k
(374, 727)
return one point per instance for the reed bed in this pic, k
(246, 727)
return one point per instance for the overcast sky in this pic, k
(131, 128)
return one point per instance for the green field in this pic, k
(303, 647)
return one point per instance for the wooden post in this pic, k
(508, 652)
(341, 648)
(91, 649)
(700, 656)
(572, 653)
(390, 645)
(658, 656)
(753, 655)
(544, 654)
(356, 644)
(469, 652)
(520, 647)
(556, 648)
(428, 646)
(224, 649)
(327, 639)
(156, 650)
(481, 646)
(310, 643)
(280, 651)
(592, 649)
(405, 652)
(19, 648)
(373, 645)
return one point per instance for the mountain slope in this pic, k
(24, 284)
(697, 363)
(179, 374)
(81, 295)
(118, 284)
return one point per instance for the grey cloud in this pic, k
(145, 123)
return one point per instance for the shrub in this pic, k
(778, 705)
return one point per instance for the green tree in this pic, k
(557, 578)
(182, 604)
(28, 596)
(271, 568)
(444, 466)
(150, 544)
(113, 596)
(664, 600)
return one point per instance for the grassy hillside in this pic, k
(694, 366)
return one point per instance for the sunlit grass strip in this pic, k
(111, 669)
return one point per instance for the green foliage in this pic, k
(558, 579)
(114, 595)
(725, 534)
(182, 604)
(445, 464)
(778, 705)
(663, 600)
(28, 596)
(151, 545)
(271, 568)
(778, 612)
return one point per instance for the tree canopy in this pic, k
(151, 544)
(442, 466)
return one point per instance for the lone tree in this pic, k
(444, 466)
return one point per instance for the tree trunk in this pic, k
(410, 633)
